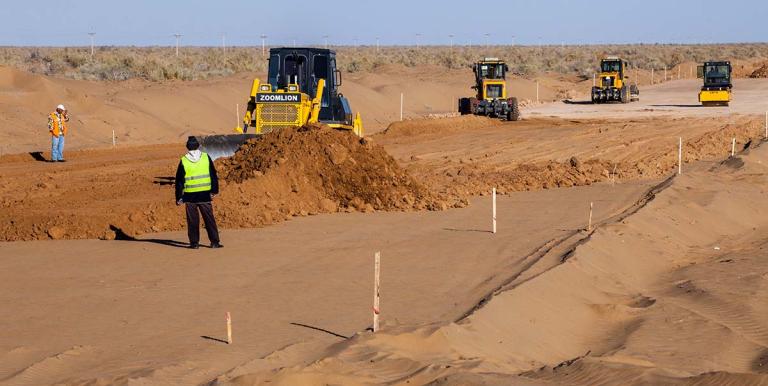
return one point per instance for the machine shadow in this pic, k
(692, 106)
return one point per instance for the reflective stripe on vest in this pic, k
(197, 175)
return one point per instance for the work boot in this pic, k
(216, 245)
(194, 246)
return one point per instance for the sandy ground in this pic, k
(667, 295)
(621, 304)
(111, 309)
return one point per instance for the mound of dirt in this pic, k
(319, 169)
(760, 72)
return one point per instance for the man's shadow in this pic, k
(122, 236)
(38, 156)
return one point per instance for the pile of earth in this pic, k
(316, 169)
(760, 72)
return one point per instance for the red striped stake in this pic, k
(229, 328)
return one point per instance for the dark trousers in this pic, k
(193, 222)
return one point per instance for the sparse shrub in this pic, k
(161, 63)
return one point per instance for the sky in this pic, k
(393, 22)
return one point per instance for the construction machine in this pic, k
(491, 85)
(612, 84)
(302, 86)
(716, 90)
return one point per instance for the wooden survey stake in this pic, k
(229, 328)
(376, 287)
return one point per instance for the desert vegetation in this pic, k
(161, 63)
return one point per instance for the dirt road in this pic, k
(677, 99)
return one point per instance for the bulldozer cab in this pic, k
(715, 74)
(490, 75)
(302, 68)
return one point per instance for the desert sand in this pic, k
(664, 288)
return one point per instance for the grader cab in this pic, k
(492, 98)
(612, 84)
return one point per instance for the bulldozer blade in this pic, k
(218, 146)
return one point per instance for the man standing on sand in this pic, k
(196, 185)
(57, 125)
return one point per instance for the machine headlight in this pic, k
(293, 88)
(265, 87)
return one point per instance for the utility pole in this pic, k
(325, 37)
(294, 43)
(92, 34)
(418, 39)
(178, 36)
(224, 43)
(513, 40)
(263, 45)
(451, 37)
(377, 44)
(487, 36)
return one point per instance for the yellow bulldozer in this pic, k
(492, 95)
(612, 84)
(302, 87)
(716, 90)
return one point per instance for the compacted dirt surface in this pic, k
(96, 286)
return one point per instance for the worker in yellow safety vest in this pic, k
(57, 126)
(196, 186)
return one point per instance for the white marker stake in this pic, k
(594, 80)
(589, 224)
(680, 157)
(493, 195)
(113, 138)
(376, 288)
(733, 147)
(652, 82)
(401, 106)
(537, 91)
(229, 328)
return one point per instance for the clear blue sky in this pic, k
(203, 22)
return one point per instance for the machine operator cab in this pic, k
(490, 75)
(716, 90)
(303, 67)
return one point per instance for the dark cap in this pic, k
(192, 143)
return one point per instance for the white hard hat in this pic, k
(60, 107)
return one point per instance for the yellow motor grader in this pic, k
(612, 84)
(492, 99)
